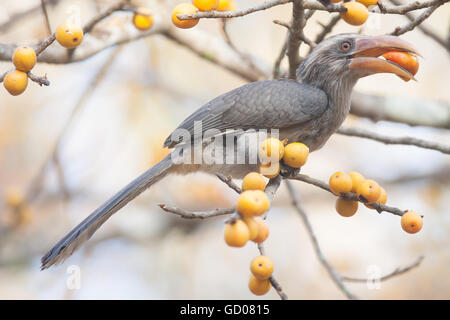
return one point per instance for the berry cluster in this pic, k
(368, 192)
(272, 151)
(252, 203)
(24, 58)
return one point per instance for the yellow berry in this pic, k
(270, 170)
(357, 178)
(295, 154)
(252, 203)
(368, 3)
(411, 222)
(271, 150)
(24, 58)
(143, 19)
(226, 5)
(184, 8)
(14, 198)
(206, 5)
(340, 182)
(345, 207)
(258, 287)
(236, 233)
(368, 191)
(253, 181)
(69, 35)
(253, 227)
(381, 199)
(263, 231)
(262, 267)
(15, 82)
(356, 14)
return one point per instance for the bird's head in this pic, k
(344, 58)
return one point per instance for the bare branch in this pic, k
(272, 187)
(17, 17)
(275, 284)
(197, 214)
(331, 271)
(244, 56)
(214, 50)
(396, 272)
(328, 28)
(229, 181)
(44, 12)
(106, 13)
(414, 23)
(411, 141)
(45, 44)
(42, 81)
(415, 5)
(263, 6)
(295, 35)
(427, 31)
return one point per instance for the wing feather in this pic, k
(263, 104)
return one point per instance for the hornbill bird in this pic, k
(308, 110)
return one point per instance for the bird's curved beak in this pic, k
(368, 50)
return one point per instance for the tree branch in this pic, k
(433, 35)
(414, 23)
(275, 284)
(197, 214)
(396, 272)
(295, 36)
(229, 181)
(331, 271)
(411, 141)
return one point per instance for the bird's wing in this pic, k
(264, 104)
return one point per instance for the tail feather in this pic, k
(82, 232)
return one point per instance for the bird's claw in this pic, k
(287, 171)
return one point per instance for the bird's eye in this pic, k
(345, 45)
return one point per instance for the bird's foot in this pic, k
(287, 171)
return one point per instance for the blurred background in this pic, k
(125, 111)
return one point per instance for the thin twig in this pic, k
(411, 141)
(331, 271)
(414, 23)
(42, 81)
(427, 31)
(229, 181)
(102, 15)
(45, 13)
(396, 272)
(275, 284)
(19, 16)
(244, 56)
(263, 6)
(45, 43)
(187, 214)
(415, 5)
(327, 28)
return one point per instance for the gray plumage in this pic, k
(309, 110)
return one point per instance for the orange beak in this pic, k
(368, 51)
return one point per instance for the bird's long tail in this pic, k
(82, 232)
